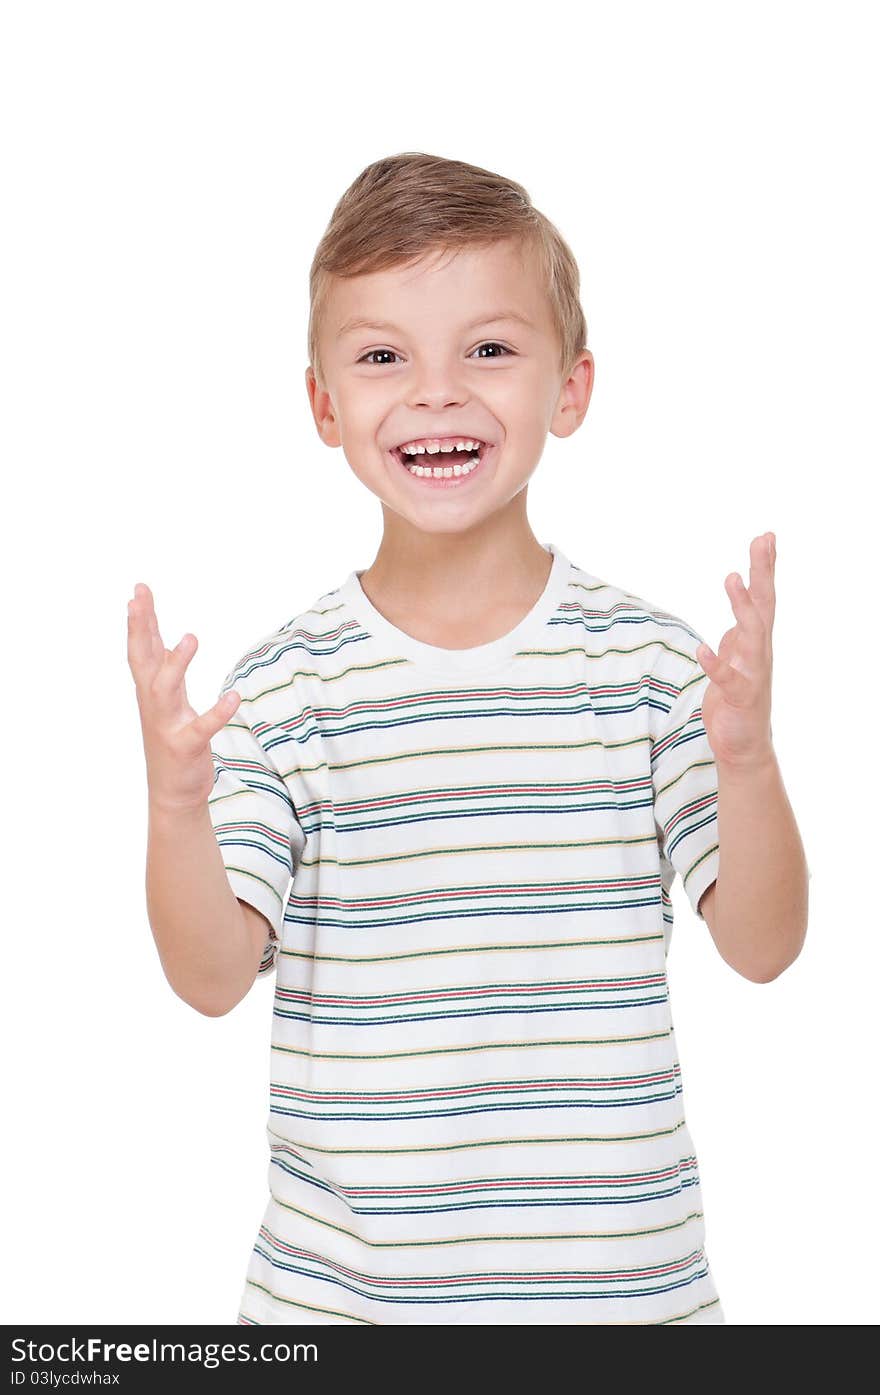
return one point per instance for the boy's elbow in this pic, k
(753, 962)
(206, 1007)
(762, 975)
(212, 1011)
(767, 973)
(215, 1008)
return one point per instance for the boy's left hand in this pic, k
(736, 704)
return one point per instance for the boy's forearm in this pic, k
(760, 903)
(201, 934)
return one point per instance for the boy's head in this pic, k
(444, 305)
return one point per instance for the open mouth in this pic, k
(448, 467)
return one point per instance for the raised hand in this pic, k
(177, 741)
(736, 704)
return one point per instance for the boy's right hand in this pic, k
(177, 741)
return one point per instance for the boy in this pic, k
(481, 766)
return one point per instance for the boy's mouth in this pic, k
(442, 462)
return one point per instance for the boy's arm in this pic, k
(209, 942)
(758, 913)
(757, 909)
(221, 830)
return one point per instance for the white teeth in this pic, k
(435, 447)
(444, 471)
(460, 467)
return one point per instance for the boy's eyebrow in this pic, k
(494, 317)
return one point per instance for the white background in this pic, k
(167, 170)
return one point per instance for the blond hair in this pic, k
(405, 205)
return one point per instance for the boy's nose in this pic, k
(438, 397)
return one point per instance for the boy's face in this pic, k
(439, 357)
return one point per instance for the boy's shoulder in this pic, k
(639, 631)
(302, 637)
(620, 605)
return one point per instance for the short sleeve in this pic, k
(257, 830)
(684, 773)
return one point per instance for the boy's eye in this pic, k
(366, 358)
(489, 344)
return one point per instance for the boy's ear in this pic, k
(574, 396)
(322, 409)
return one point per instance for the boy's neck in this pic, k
(457, 592)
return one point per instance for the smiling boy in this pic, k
(446, 804)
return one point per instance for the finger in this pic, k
(762, 583)
(156, 640)
(736, 686)
(142, 655)
(728, 642)
(146, 610)
(752, 630)
(206, 726)
(170, 677)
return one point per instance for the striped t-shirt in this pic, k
(465, 856)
